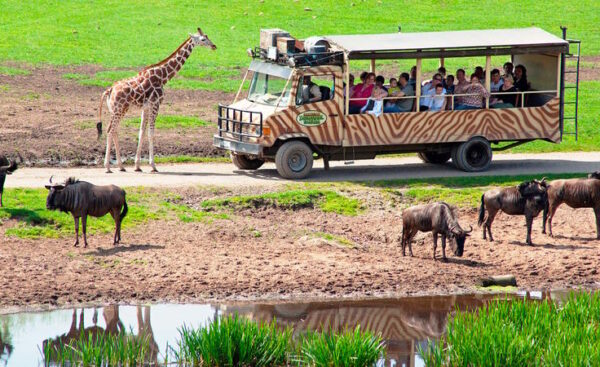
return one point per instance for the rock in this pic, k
(499, 280)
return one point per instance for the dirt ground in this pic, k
(50, 120)
(267, 253)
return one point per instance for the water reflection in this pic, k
(403, 323)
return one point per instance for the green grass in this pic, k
(349, 348)
(340, 240)
(325, 200)
(28, 208)
(462, 191)
(234, 341)
(522, 333)
(171, 122)
(123, 349)
(6, 70)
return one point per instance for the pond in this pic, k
(404, 323)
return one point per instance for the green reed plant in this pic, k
(99, 349)
(349, 348)
(234, 341)
(522, 333)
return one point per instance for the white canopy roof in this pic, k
(520, 39)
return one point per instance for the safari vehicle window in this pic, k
(315, 89)
(268, 89)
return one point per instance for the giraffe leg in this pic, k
(151, 124)
(117, 151)
(113, 127)
(107, 156)
(138, 153)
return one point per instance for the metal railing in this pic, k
(240, 123)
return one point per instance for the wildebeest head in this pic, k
(9, 168)
(533, 187)
(595, 175)
(54, 190)
(458, 244)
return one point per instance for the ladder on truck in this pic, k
(571, 98)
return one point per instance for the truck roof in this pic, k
(448, 44)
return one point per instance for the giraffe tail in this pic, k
(99, 124)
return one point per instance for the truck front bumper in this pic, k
(237, 146)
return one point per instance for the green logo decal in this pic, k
(311, 118)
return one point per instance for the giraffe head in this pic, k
(200, 39)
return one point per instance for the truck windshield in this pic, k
(267, 89)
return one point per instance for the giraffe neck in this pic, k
(171, 66)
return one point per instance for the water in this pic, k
(404, 323)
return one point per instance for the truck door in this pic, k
(318, 107)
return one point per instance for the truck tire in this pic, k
(434, 157)
(244, 162)
(474, 155)
(294, 159)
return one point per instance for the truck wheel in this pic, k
(473, 155)
(242, 161)
(294, 159)
(434, 157)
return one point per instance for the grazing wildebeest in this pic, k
(81, 199)
(529, 199)
(576, 193)
(595, 175)
(440, 219)
(6, 168)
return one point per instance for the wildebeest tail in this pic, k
(124, 212)
(99, 124)
(481, 212)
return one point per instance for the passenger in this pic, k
(450, 84)
(393, 90)
(521, 78)
(461, 86)
(310, 91)
(413, 77)
(508, 69)
(351, 80)
(480, 74)
(442, 71)
(496, 82)
(474, 101)
(363, 77)
(362, 91)
(406, 90)
(510, 99)
(428, 90)
(379, 91)
(438, 100)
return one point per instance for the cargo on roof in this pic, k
(448, 44)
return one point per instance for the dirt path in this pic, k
(225, 174)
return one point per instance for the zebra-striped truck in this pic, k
(299, 108)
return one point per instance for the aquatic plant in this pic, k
(522, 333)
(234, 341)
(349, 348)
(99, 349)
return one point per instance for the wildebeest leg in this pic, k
(407, 236)
(143, 124)
(435, 238)
(117, 220)
(84, 225)
(551, 212)
(488, 223)
(403, 242)
(444, 259)
(597, 213)
(529, 221)
(76, 231)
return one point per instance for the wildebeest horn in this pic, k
(470, 229)
(5, 168)
(51, 178)
(543, 179)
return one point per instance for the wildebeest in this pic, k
(576, 193)
(595, 175)
(6, 168)
(82, 198)
(440, 219)
(529, 199)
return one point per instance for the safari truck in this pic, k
(286, 120)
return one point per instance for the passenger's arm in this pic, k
(316, 92)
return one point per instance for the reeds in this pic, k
(99, 349)
(522, 333)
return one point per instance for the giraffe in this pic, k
(145, 90)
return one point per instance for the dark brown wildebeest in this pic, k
(595, 175)
(528, 199)
(82, 198)
(576, 193)
(438, 218)
(6, 168)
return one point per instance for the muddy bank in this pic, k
(268, 253)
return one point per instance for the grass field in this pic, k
(125, 35)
